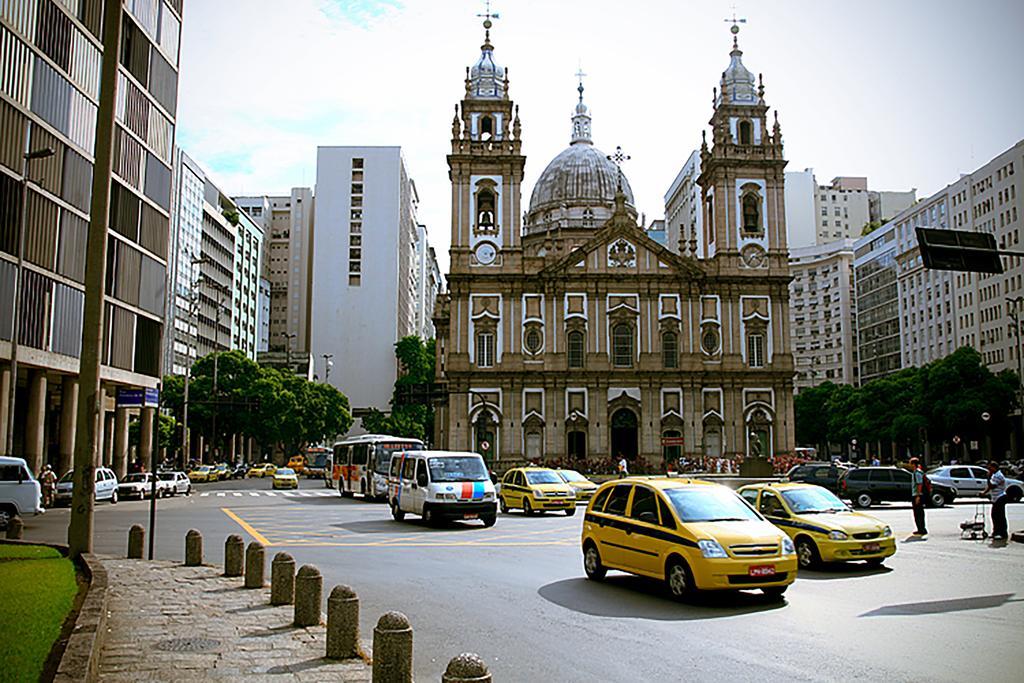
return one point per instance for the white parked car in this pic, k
(106, 486)
(971, 480)
(177, 482)
(20, 493)
(139, 486)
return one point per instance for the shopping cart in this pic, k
(974, 529)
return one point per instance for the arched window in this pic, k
(485, 210)
(486, 128)
(751, 212)
(745, 136)
(588, 218)
(574, 344)
(670, 350)
(622, 346)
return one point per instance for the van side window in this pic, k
(617, 501)
(600, 499)
(396, 464)
(9, 472)
(421, 473)
(409, 470)
(667, 520)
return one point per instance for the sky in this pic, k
(908, 93)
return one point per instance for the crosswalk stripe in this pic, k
(254, 493)
(220, 494)
(270, 493)
(204, 494)
(236, 494)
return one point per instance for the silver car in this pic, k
(971, 480)
(140, 485)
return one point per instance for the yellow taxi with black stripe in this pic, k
(692, 534)
(581, 486)
(536, 489)
(822, 527)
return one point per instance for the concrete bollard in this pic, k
(309, 591)
(254, 565)
(392, 649)
(136, 537)
(342, 623)
(466, 668)
(15, 527)
(193, 548)
(234, 547)
(282, 579)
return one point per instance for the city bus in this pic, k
(361, 463)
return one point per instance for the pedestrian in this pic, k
(996, 491)
(623, 467)
(875, 462)
(48, 482)
(917, 484)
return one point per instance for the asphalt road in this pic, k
(942, 609)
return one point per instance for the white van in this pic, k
(20, 493)
(441, 485)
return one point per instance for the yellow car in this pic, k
(536, 489)
(285, 478)
(261, 470)
(581, 486)
(201, 473)
(222, 471)
(691, 534)
(823, 528)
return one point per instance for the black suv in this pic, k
(867, 485)
(825, 474)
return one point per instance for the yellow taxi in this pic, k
(581, 486)
(536, 489)
(261, 470)
(297, 463)
(285, 478)
(691, 534)
(221, 471)
(823, 528)
(201, 473)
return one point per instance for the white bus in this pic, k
(361, 463)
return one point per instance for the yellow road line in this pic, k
(245, 525)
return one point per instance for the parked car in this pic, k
(261, 470)
(240, 471)
(868, 485)
(971, 480)
(106, 486)
(179, 482)
(140, 485)
(824, 474)
(202, 473)
(20, 493)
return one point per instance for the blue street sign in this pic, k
(138, 398)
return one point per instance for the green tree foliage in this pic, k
(416, 361)
(811, 409)
(870, 227)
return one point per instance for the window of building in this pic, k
(485, 349)
(357, 163)
(574, 344)
(622, 346)
(670, 350)
(745, 133)
(533, 340)
(755, 350)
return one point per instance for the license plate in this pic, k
(470, 516)
(762, 570)
(872, 547)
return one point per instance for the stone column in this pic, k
(35, 424)
(108, 439)
(146, 438)
(5, 390)
(120, 461)
(68, 419)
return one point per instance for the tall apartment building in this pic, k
(51, 57)
(428, 284)
(364, 268)
(843, 208)
(801, 214)
(878, 304)
(823, 314)
(288, 232)
(684, 228)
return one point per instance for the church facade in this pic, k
(566, 333)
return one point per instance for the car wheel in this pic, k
(489, 520)
(862, 500)
(570, 512)
(397, 513)
(678, 579)
(774, 592)
(5, 518)
(428, 515)
(937, 499)
(113, 497)
(527, 508)
(875, 562)
(503, 505)
(592, 563)
(807, 553)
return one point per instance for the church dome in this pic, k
(577, 189)
(737, 82)
(486, 78)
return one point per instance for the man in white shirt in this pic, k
(996, 491)
(623, 467)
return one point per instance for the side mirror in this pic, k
(649, 517)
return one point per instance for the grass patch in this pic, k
(37, 590)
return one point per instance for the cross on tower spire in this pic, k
(487, 16)
(618, 158)
(735, 28)
(580, 75)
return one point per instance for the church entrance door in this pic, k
(624, 434)
(577, 445)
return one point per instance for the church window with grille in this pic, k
(670, 350)
(574, 343)
(533, 340)
(622, 346)
(485, 350)
(755, 350)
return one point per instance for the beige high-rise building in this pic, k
(572, 334)
(843, 209)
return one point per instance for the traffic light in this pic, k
(960, 250)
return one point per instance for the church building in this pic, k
(567, 333)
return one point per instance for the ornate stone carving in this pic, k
(621, 254)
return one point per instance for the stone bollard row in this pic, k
(136, 537)
(466, 668)
(342, 623)
(282, 579)
(254, 565)
(193, 548)
(234, 546)
(309, 589)
(392, 649)
(15, 527)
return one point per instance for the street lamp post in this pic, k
(328, 364)
(288, 349)
(193, 310)
(43, 153)
(1017, 303)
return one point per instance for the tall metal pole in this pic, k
(327, 367)
(193, 309)
(84, 485)
(1018, 303)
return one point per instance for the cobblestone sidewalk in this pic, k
(168, 622)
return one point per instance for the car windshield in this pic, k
(937, 470)
(543, 477)
(812, 499)
(135, 479)
(461, 468)
(165, 476)
(205, 468)
(707, 504)
(68, 476)
(571, 475)
(285, 470)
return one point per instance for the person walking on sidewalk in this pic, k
(48, 483)
(917, 479)
(996, 491)
(623, 467)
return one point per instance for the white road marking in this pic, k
(204, 494)
(220, 494)
(270, 493)
(254, 493)
(236, 494)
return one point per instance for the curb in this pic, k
(81, 658)
(1017, 536)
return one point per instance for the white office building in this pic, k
(683, 216)
(428, 284)
(801, 217)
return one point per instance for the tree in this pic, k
(870, 227)
(811, 414)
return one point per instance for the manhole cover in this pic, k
(187, 644)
